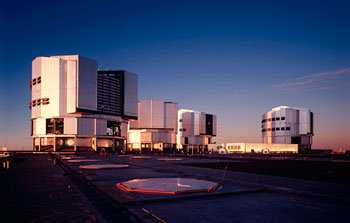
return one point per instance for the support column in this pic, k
(39, 144)
(54, 144)
(94, 143)
(75, 143)
(113, 147)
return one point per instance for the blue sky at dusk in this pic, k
(235, 59)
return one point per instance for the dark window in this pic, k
(45, 101)
(38, 102)
(186, 140)
(34, 81)
(296, 140)
(311, 123)
(34, 103)
(277, 129)
(283, 118)
(38, 80)
(180, 120)
(278, 118)
(273, 119)
(184, 129)
(54, 126)
(31, 127)
(113, 128)
(273, 129)
(269, 120)
(282, 128)
(287, 128)
(209, 124)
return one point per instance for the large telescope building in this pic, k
(156, 127)
(76, 107)
(196, 130)
(288, 125)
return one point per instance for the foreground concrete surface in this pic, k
(48, 188)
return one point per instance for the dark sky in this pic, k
(235, 59)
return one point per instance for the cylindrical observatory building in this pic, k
(288, 125)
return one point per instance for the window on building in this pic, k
(45, 101)
(283, 118)
(282, 128)
(34, 81)
(54, 126)
(180, 120)
(273, 119)
(34, 103)
(31, 127)
(273, 129)
(186, 140)
(277, 129)
(287, 128)
(269, 120)
(278, 118)
(38, 102)
(38, 80)
(113, 128)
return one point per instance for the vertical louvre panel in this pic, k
(110, 96)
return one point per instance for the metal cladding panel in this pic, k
(187, 124)
(134, 137)
(133, 124)
(86, 126)
(87, 84)
(101, 127)
(146, 137)
(71, 86)
(202, 123)
(157, 114)
(145, 115)
(63, 88)
(84, 142)
(50, 86)
(124, 129)
(304, 122)
(40, 126)
(70, 126)
(214, 125)
(170, 119)
(36, 89)
(130, 94)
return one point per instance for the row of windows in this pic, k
(276, 129)
(233, 147)
(34, 82)
(38, 102)
(182, 130)
(273, 119)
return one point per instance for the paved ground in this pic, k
(45, 188)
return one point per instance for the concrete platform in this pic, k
(245, 197)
